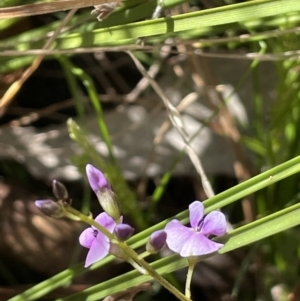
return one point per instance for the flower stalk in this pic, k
(91, 222)
(191, 267)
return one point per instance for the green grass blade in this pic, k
(211, 17)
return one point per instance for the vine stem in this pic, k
(131, 254)
(189, 279)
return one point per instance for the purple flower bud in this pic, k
(59, 190)
(156, 241)
(96, 179)
(123, 231)
(51, 208)
(102, 188)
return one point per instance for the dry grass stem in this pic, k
(178, 124)
(16, 86)
(46, 8)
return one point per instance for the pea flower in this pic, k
(104, 192)
(194, 240)
(97, 242)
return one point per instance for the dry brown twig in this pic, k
(49, 7)
(16, 86)
(102, 7)
(177, 122)
(203, 76)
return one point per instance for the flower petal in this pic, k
(87, 237)
(177, 235)
(214, 224)
(197, 244)
(157, 240)
(96, 178)
(106, 221)
(51, 208)
(123, 231)
(196, 210)
(98, 250)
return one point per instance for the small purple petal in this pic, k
(106, 221)
(87, 237)
(197, 244)
(123, 231)
(158, 239)
(214, 224)
(96, 178)
(196, 210)
(50, 208)
(98, 250)
(41, 203)
(177, 235)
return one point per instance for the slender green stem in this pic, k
(73, 87)
(189, 279)
(144, 254)
(88, 82)
(136, 266)
(91, 222)
(152, 272)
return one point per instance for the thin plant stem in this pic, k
(144, 254)
(152, 272)
(90, 221)
(189, 279)
(177, 122)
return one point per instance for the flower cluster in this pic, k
(107, 232)
(99, 245)
(186, 241)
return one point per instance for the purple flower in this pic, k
(96, 241)
(194, 241)
(96, 179)
(103, 190)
